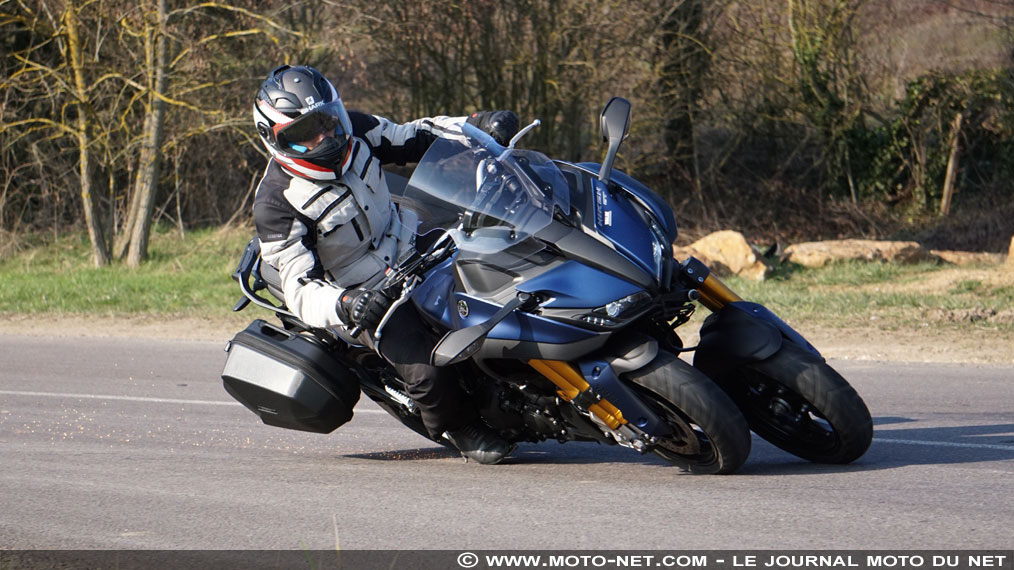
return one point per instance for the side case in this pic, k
(289, 380)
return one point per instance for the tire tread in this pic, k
(703, 401)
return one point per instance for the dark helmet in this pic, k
(296, 105)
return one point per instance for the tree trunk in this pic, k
(685, 64)
(100, 251)
(122, 240)
(151, 153)
(952, 168)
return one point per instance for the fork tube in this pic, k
(715, 294)
(571, 382)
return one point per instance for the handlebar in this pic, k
(399, 284)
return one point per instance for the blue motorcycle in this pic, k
(558, 297)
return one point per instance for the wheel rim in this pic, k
(687, 442)
(784, 415)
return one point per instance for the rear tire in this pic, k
(710, 436)
(796, 401)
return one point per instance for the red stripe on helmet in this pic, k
(305, 169)
(273, 114)
(311, 165)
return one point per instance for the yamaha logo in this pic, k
(463, 309)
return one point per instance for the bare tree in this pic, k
(138, 227)
(682, 76)
(555, 60)
(166, 84)
(83, 59)
(62, 76)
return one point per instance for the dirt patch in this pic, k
(124, 327)
(977, 315)
(948, 279)
(927, 343)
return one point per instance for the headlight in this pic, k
(613, 314)
(658, 253)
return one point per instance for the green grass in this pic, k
(190, 277)
(183, 277)
(849, 292)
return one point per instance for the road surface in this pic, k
(118, 443)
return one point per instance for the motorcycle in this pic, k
(558, 297)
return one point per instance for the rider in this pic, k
(327, 223)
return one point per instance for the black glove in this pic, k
(501, 125)
(363, 307)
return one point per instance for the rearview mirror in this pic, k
(615, 119)
(615, 125)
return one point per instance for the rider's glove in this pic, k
(363, 307)
(501, 125)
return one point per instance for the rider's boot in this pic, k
(479, 443)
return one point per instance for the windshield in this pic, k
(486, 196)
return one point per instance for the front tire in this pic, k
(710, 436)
(796, 401)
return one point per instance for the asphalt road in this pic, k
(133, 444)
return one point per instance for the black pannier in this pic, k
(289, 380)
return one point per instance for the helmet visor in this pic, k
(306, 130)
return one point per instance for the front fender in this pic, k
(742, 332)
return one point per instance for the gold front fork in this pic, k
(571, 383)
(711, 291)
(715, 294)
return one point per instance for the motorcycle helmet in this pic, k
(300, 117)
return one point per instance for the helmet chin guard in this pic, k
(312, 170)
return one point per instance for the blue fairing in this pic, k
(432, 296)
(574, 285)
(436, 297)
(619, 222)
(520, 326)
(655, 203)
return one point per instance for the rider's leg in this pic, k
(443, 404)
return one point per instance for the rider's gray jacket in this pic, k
(326, 236)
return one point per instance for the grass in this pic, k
(897, 295)
(190, 277)
(183, 277)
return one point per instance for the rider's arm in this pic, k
(402, 143)
(286, 244)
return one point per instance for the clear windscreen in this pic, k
(486, 196)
